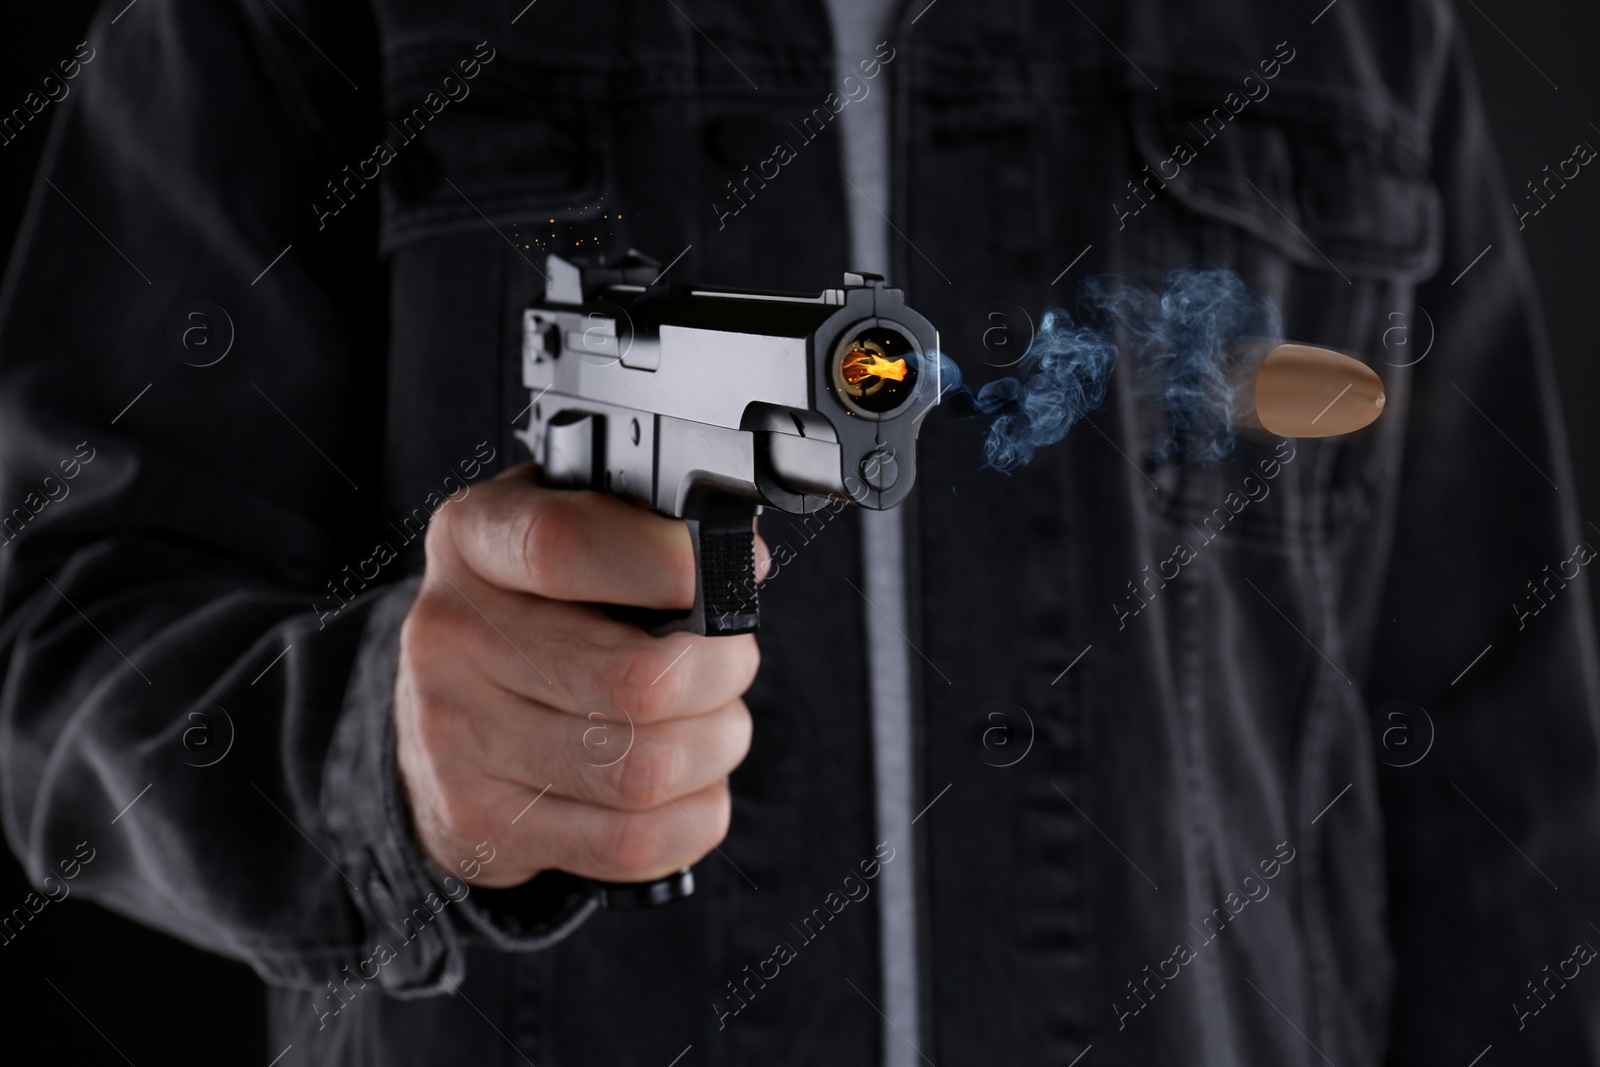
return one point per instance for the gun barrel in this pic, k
(787, 400)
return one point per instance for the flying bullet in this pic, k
(1304, 391)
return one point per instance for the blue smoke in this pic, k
(1062, 377)
(1177, 339)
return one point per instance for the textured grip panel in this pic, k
(725, 598)
(727, 573)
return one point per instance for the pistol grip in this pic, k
(722, 531)
(631, 896)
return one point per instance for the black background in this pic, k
(158, 1001)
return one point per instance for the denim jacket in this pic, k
(1301, 793)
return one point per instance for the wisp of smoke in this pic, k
(1177, 338)
(1063, 376)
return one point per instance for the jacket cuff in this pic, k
(417, 918)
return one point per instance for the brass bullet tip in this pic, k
(1304, 391)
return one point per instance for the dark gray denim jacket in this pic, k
(1306, 797)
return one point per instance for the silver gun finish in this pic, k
(708, 404)
(653, 395)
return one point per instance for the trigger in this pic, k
(574, 446)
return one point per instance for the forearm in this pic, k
(181, 727)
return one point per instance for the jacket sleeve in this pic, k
(1493, 835)
(178, 491)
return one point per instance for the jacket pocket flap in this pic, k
(489, 146)
(1328, 183)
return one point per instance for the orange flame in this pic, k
(859, 365)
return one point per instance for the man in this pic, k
(1172, 761)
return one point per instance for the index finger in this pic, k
(569, 544)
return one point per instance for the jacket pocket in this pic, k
(476, 140)
(1324, 203)
(1330, 183)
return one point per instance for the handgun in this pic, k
(711, 404)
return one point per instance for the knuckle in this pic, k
(433, 725)
(743, 729)
(431, 720)
(746, 655)
(651, 770)
(635, 844)
(437, 626)
(420, 630)
(721, 814)
(439, 539)
(542, 542)
(649, 684)
(457, 813)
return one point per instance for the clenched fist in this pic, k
(514, 689)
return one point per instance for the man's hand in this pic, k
(513, 688)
